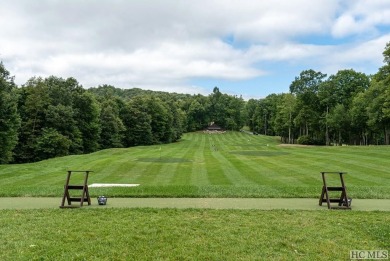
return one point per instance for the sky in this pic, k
(246, 48)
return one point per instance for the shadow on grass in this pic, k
(251, 145)
(261, 153)
(164, 160)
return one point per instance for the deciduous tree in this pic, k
(9, 117)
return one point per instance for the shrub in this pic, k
(307, 140)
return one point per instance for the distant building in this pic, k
(214, 127)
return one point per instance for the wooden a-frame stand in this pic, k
(84, 194)
(343, 202)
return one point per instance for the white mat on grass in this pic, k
(103, 185)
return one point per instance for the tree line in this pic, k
(348, 107)
(51, 117)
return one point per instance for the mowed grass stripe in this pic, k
(169, 173)
(311, 164)
(251, 168)
(255, 171)
(280, 174)
(377, 164)
(183, 170)
(269, 166)
(257, 168)
(230, 171)
(332, 155)
(267, 162)
(151, 165)
(124, 171)
(232, 164)
(129, 168)
(303, 169)
(217, 176)
(199, 174)
(235, 176)
(165, 174)
(340, 162)
(148, 172)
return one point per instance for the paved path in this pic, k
(212, 203)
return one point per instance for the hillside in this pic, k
(233, 164)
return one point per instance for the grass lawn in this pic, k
(189, 234)
(230, 165)
(202, 165)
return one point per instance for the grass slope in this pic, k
(202, 165)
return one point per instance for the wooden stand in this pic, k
(83, 188)
(343, 202)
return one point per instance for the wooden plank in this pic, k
(77, 199)
(66, 195)
(335, 188)
(76, 187)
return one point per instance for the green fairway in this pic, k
(233, 164)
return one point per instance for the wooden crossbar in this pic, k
(84, 197)
(342, 201)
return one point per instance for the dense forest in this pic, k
(50, 117)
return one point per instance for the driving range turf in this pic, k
(205, 176)
(229, 165)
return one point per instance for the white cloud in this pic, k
(167, 44)
(365, 57)
(280, 20)
(345, 25)
(362, 17)
(285, 52)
